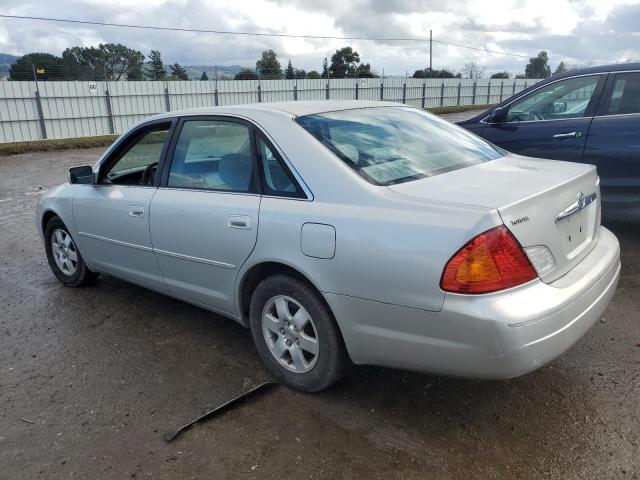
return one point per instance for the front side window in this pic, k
(563, 99)
(625, 95)
(139, 162)
(213, 155)
(387, 145)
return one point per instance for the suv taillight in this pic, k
(492, 261)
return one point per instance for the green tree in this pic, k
(504, 75)
(432, 73)
(156, 69)
(135, 72)
(109, 61)
(178, 72)
(23, 68)
(325, 68)
(313, 75)
(289, 72)
(300, 74)
(344, 63)
(268, 66)
(246, 74)
(562, 68)
(538, 67)
(364, 71)
(204, 76)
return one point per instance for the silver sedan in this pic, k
(345, 231)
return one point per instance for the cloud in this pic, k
(573, 30)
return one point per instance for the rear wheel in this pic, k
(295, 334)
(63, 255)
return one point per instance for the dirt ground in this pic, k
(91, 379)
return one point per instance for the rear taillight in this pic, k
(494, 260)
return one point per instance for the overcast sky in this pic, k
(572, 30)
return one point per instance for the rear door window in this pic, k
(625, 94)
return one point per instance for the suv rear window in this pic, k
(389, 145)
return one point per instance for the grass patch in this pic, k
(459, 108)
(58, 144)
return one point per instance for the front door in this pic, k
(204, 218)
(613, 143)
(112, 216)
(550, 122)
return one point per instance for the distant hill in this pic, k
(225, 72)
(5, 62)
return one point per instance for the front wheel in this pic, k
(63, 255)
(295, 334)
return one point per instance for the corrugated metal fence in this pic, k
(30, 111)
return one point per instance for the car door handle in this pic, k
(560, 136)
(136, 211)
(239, 221)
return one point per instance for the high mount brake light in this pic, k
(492, 261)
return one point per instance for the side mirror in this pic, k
(82, 175)
(499, 115)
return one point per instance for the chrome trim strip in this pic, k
(195, 259)
(616, 115)
(116, 242)
(580, 204)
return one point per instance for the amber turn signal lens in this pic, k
(492, 261)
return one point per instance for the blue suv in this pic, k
(590, 116)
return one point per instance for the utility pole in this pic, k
(430, 50)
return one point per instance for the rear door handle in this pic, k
(239, 221)
(136, 211)
(560, 136)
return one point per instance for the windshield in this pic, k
(388, 145)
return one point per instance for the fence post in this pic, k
(107, 97)
(295, 92)
(525, 85)
(489, 92)
(473, 102)
(259, 93)
(43, 127)
(442, 94)
(327, 90)
(459, 90)
(514, 87)
(404, 92)
(167, 100)
(424, 94)
(501, 89)
(382, 89)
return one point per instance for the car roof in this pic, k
(292, 108)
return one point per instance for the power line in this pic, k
(261, 34)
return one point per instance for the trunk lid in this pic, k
(542, 202)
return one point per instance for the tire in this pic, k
(70, 269)
(280, 304)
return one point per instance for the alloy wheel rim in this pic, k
(64, 252)
(290, 334)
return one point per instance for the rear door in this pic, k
(551, 121)
(613, 143)
(204, 218)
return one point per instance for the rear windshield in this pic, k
(388, 145)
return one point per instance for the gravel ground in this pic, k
(91, 378)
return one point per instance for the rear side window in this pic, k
(625, 95)
(213, 155)
(276, 179)
(387, 145)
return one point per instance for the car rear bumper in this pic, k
(499, 335)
